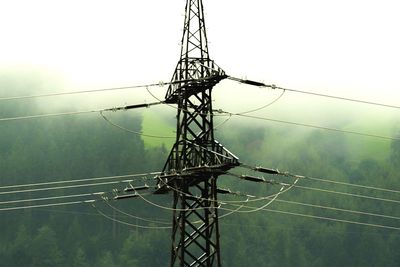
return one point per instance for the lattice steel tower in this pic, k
(196, 159)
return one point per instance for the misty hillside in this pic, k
(316, 223)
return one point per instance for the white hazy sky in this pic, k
(342, 47)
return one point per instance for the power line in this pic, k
(331, 219)
(259, 208)
(62, 187)
(134, 106)
(49, 205)
(338, 209)
(311, 126)
(262, 180)
(49, 115)
(240, 206)
(199, 198)
(158, 99)
(350, 184)
(161, 136)
(272, 86)
(306, 229)
(283, 190)
(142, 175)
(231, 212)
(55, 198)
(264, 106)
(222, 123)
(164, 207)
(222, 202)
(327, 207)
(347, 194)
(324, 218)
(134, 132)
(160, 84)
(201, 208)
(70, 212)
(49, 198)
(253, 209)
(128, 224)
(277, 172)
(244, 112)
(133, 216)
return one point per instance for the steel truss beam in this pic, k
(196, 159)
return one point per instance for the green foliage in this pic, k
(19, 252)
(67, 148)
(44, 251)
(106, 260)
(395, 153)
(154, 125)
(79, 259)
(139, 249)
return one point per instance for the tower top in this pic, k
(195, 70)
(194, 40)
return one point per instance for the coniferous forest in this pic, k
(291, 231)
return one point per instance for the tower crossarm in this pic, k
(200, 163)
(191, 76)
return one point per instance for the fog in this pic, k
(346, 48)
(341, 48)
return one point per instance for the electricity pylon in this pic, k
(196, 159)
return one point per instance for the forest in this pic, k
(361, 227)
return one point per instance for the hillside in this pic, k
(294, 230)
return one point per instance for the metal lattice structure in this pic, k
(196, 159)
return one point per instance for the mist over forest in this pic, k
(110, 233)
